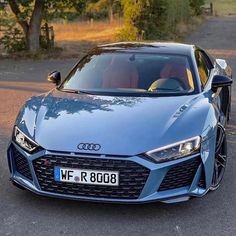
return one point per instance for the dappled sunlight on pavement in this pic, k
(9, 107)
(223, 52)
(26, 86)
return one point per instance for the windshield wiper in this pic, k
(69, 90)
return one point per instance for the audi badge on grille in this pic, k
(89, 146)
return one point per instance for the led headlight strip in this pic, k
(175, 151)
(23, 141)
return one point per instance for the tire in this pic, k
(220, 158)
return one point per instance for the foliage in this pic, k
(14, 39)
(143, 19)
(101, 8)
(151, 19)
(30, 14)
(177, 11)
(64, 9)
(127, 33)
(53, 9)
(135, 18)
(196, 5)
(12, 36)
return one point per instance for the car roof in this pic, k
(146, 47)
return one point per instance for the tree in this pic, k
(144, 19)
(100, 5)
(153, 19)
(31, 28)
(29, 15)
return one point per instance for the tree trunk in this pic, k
(33, 28)
(15, 9)
(111, 16)
(33, 33)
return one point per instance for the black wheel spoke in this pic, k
(220, 157)
(220, 139)
(219, 163)
(215, 174)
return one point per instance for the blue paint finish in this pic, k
(125, 127)
(148, 121)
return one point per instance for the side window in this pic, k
(203, 69)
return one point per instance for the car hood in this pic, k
(121, 125)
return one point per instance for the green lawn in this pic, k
(223, 7)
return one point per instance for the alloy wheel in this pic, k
(220, 158)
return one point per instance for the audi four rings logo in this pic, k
(89, 146)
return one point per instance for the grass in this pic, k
(223, 7)
(82, 31)
(78, 37)
(74, 39)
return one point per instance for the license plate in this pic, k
(82, 176)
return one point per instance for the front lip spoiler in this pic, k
(177, 199)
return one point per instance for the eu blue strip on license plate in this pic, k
(57, 172)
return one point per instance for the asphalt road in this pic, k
(23, 213)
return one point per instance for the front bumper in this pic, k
(142, 180)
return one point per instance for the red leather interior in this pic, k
(120, 74)
(175, 69)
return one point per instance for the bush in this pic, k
(196, 6)
(13, 39)
(127, 33)
(155, 18)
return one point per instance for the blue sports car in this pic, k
(131, 123)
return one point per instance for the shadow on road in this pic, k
(16, 88)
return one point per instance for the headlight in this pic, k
(176, 150)
(23, 141)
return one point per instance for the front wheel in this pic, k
(220, 158)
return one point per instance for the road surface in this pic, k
(23, 213)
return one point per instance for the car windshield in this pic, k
(131, 73)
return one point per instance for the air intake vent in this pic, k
(180, 175)
(22, 165)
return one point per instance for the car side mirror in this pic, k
(220, 81)
(54, 77)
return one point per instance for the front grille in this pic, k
(131, 181)
(181, 175)
(21, 163)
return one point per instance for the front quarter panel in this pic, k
(27, 117)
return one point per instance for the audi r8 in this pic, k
(130, 123)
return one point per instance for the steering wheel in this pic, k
(171, 83)
(181, 82)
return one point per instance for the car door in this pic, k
(205, 68)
